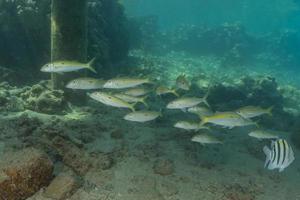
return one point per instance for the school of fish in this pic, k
(127, 92)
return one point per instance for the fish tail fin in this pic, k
(175, 93)
(255, 123)
(160, 112)
(90, 65)
(205, 99)
(131, 107)
(151, 81)
(202, 127)
(269, 110)
(143, 101)
(267, 151)
(203, 121)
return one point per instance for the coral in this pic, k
(23, 173)
(41, 98)
(248, 91)
(9, 100)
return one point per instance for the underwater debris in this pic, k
(72, 156)
(23, 173)
(63, 186)
(78, 159)
(28, 22)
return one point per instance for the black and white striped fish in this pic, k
(280, 155)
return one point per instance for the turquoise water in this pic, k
(150, 100)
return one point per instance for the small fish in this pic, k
(182, 82)
(142, 116)
(111, 100)
(206, 139)
(186, 102)
(131, 99)
(280, 155)
(138, 91)
(124, 82)
(227, 119)
(263, 134)
(165, 90)
(200, 111)
(253, 111)
(67, 66)
(85, 84)
(186, 125)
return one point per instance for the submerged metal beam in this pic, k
(68, 34)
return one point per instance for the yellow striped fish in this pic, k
(67, 66)
(111, 100)
(227, 119)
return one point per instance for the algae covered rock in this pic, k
(41, 98)
(260, 91)
(23, 173)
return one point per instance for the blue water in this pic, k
(256, 15)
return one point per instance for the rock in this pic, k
(146, 187)
(2, 147)
(62, 187)
(163, 167)
(167, 189)
(104, 162)
(116, 134)
(72, 156)
(39, 196)
(3, 98)
(23, 173)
